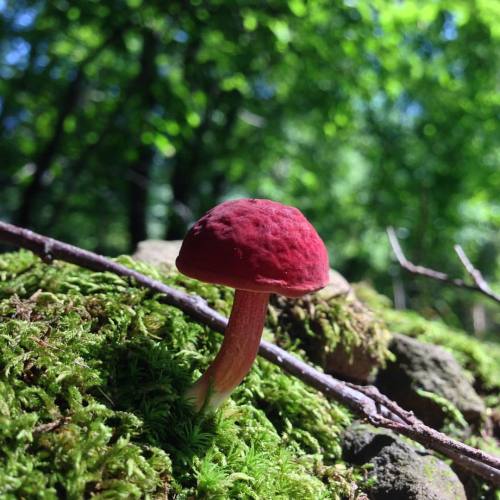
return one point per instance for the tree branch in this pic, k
(480, 284)
(139, 170)
(475, 274)
(366, 402)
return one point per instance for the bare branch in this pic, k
(480, 284)
(475, 274)
(366, 402)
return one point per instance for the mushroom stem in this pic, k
(237, 353)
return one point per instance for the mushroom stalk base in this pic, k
(237, 353)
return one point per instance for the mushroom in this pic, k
(258, 247)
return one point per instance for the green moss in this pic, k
(453, 416)
(338, 333)
(92, 370)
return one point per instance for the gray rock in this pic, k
(433, 369)
(401, 472)
(337, 285)
(158, 252)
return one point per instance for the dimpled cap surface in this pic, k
(257, 245)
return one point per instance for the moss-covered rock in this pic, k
(397, 470)
(479, 360)
(92, 372)
(422, 375)
(338, 333)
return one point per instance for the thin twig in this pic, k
(475, 274)
(50, 426)
(479, 285)
(373, 393)
(367, 403)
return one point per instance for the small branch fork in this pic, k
(365, 401)
(480, 285)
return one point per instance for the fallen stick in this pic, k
(365, 401)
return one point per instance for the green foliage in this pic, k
(362, 114)
(92, 371)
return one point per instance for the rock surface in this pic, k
(421, 366)
(401, 472)
(158, 252)
(338, 285)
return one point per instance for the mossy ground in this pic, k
(92, 372)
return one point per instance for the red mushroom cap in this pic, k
(256, 245)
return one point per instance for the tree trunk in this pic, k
(44, 159)
(46, 155)
(139, 177)
(139, 170)
(193, 159)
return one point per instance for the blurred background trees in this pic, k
(127, 119)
